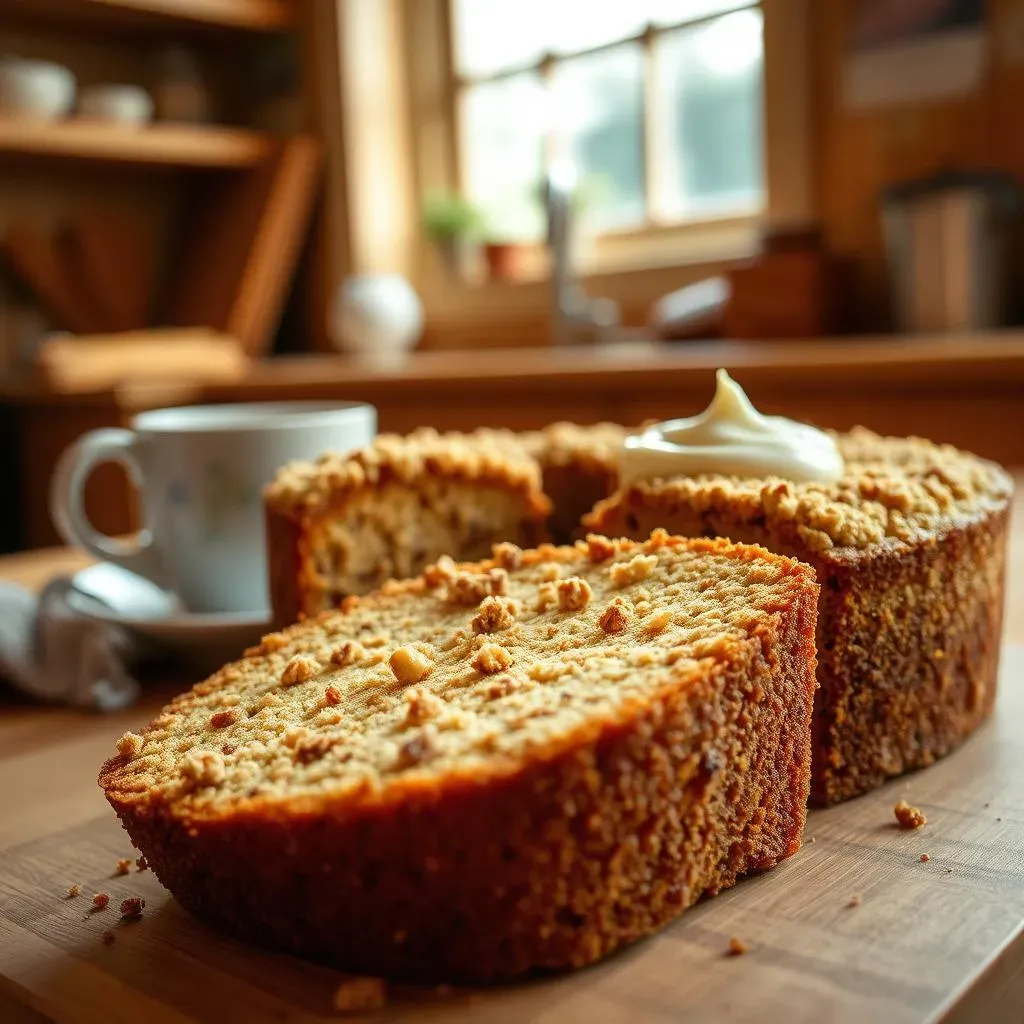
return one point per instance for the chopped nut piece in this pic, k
(129, 745)
(222, 719)
(419, 748)
(658, 623)
(508, 556)
(615, 618)
(546, 595)
(925, 858)
(495, 614)
(132, 907)
(273, 642)
(205, 769)
(410, 665)
(599, 549)
(491, 659)
(737, 947)
(357, 995)
(100, 901)
(574, 594)
(348, 653)
(908, 816)
(332, 696)
(471, 588)
(299, 670)
(73, 891)
(124, 865)
(108, 938)
(636, 569)
(312, 748)
(142, 864)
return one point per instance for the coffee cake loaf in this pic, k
(909, 548)
(518, 764)
(345, 524)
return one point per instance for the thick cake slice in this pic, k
(344, 524)
(516, 764)
(910, 549)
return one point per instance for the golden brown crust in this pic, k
(909, 626)
(548, 856)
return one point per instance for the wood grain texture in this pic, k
(159, 15)
(241, 244)
(160, 145)
(929, 940)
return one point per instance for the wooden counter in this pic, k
(941, 940)
(967, 390)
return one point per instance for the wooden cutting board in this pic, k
(929, 941)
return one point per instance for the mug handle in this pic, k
(67, 501)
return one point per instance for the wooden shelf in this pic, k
(244, 15)
(156, 145)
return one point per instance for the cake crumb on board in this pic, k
(356, 995)
(737, 947)
(132, 907)
(909, 816)
(124, 865)
(100, 901)
(142, 864)
(925, 858)
(854, 900)
(108, 938)
(73, 891)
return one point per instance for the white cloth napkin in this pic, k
(53, 652)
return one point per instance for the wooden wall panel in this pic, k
(858, 153)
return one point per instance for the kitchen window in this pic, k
(656, 104)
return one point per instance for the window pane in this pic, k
(494, 34)
(674, 12)
(598, 103)
(709, 84)
(502, 136)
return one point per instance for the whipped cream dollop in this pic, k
(731, 438)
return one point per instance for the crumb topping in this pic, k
(894, 489)
(622, 574)
(508, 556)
(438, 696)
(492, 658)
(129, 745)
(299, 669)
(574, 594)
(615, 617)
(495, 614)
(307, 488)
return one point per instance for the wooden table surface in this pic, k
(49, 759)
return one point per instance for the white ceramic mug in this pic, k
(200, 471)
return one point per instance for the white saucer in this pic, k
(107, 593)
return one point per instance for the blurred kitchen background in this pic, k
(506, 212)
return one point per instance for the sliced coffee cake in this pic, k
(516, 764)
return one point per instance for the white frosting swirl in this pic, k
(731, 438)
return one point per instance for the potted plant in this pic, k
(453, 224)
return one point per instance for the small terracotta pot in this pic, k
(504, 260)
